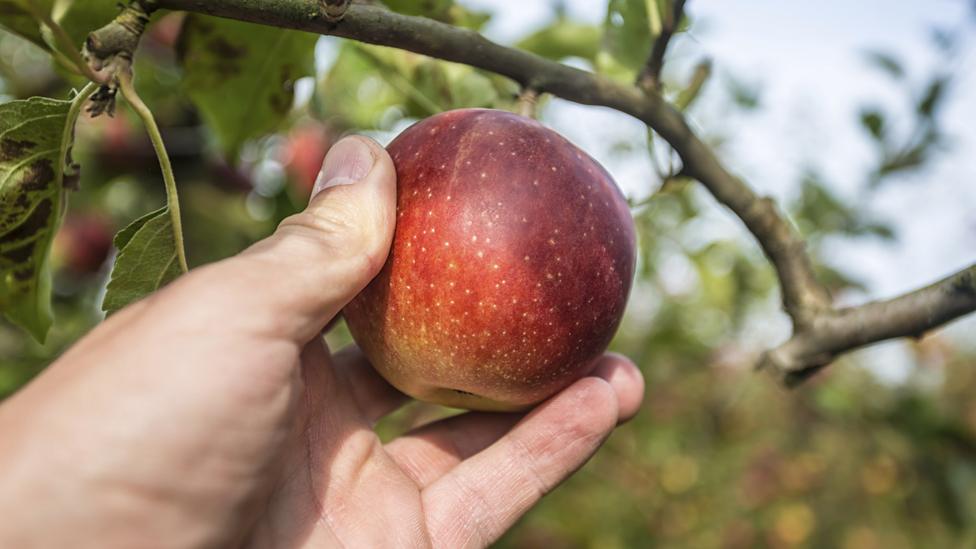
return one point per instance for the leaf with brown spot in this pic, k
(31, 198)
(241, 75)
(12, 148)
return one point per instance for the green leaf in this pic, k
(374, 87)
(564, 38)
(19, 21)
(874, 122)
(746, 95)
(80, 17)
(241, 75)
(146, 261)
(887, 63)
(627, 38)
(687, 96)
(932, 98)
(461, 16)
(435, 9)
(31, 198)
(446, 11)
(820, 213)
(355, 92)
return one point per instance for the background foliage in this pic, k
(718, 457)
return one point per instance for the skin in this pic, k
(211, 414)
(511, 264)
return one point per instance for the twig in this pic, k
(838, 331)
(650, 77)
(527, 102)
(172, 196)
(67, 136)
(804, 298)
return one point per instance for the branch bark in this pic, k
(838, 331)
(820, 332)
(650, 77)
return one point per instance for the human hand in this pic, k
(212, 414)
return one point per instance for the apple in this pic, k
(303, 153)
(511, 264)
(83, 243)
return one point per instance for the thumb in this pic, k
(319, 259)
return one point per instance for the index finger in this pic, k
(477, 501)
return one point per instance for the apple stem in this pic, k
(527, 102)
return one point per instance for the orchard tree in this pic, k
(221, 77)
(220, 57)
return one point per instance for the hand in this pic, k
(212, 414)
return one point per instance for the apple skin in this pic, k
(510, 268)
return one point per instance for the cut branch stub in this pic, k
(109, 51)
(334, 10)
(527, 103)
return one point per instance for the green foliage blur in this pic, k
(719, 456)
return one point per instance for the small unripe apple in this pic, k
(510, 268)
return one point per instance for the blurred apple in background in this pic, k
(303, 153)
(83, 243)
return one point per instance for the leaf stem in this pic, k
(653, 18)
(172, 196)
(67, 136)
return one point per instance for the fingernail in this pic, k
(348, 161)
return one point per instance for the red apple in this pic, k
(511, 264)
(303, 153)
(83, 243)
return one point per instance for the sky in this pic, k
(808, 59)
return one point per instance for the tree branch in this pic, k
(801, 292)
(804, 298)
(650, 77)
(838, 331)
(527, 102)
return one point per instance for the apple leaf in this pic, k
(434, 9)
(400, 84)
(354, 70)
(31, 198)
(627, 38)
(80, 17)
(146, 260)
(564, 38)
(15, 18)
(241, 75)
